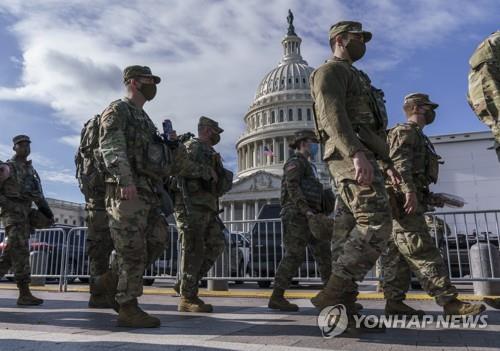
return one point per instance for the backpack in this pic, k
(88, 160)
(484, 82)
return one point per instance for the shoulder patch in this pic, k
(291, 167)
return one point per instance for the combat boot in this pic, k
(193, 304)
(25, 296)
(399, 308)
(456, 307)
(132, 316)
(331, 294)
(107, 282)
(358, 307)
(278, 302)
(99, 301)
(495, 303)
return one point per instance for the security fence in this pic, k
(468, 242)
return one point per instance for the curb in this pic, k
(248, 294)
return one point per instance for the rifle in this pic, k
(181, 181)
(444, 199)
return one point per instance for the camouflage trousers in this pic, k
(411, 248)
(16, 254)
(140, 235)
(202, 241)
(342, 227)
(99, 243)
(296, 238)
(370, 209)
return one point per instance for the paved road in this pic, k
(64, 323)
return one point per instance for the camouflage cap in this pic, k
(349, 27)
(205, 121)
(302, 135)
(419, 99)
(138, 71)
(19, 138)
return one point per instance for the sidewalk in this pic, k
(65, 323)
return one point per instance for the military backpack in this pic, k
(88, 160)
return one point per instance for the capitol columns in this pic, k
(285, 149)
(256, 211)
(263, 156)
(244, 211)
(273, 159)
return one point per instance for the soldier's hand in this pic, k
(411, 203)
(128, 193)
(4, 172)
(394, 176)
(363, 168)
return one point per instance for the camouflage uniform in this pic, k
(200, 229)
(350, 116)
(301, 192)
(138, 229)
(17, 194)
(484, 85)
(411, 247)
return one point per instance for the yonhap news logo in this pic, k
(333, 321)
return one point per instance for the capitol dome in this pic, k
(282, 106)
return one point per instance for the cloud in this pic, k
(71, 140)
(64, 176)
(210, 54)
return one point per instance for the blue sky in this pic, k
(61, 63)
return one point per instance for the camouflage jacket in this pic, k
(19, 191)
(133, 151)
(126, 135)
(200, 186)
(300, 187)
(350, 115)
(414, 157)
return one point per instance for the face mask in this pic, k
(148, 91)
(356, 49)
(430, 116)
(313, 149)
(214, 139)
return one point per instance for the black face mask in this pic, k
(148, 91)
(430, 116)
(214, 139)
(356, 49)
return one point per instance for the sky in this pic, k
(61, 62)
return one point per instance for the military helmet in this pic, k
(205, 121)
(139, 71)
(349, 27)
(303, 135)
(20, 138)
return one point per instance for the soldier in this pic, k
(351, 121)
(91, 181)
(134, 159)
(484, 84)
(301, 199)
(411, 246)
(17, 194)
(4, 171)
(196, 201)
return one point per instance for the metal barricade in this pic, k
(47, 250)
(254, 249)
(456, 233)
